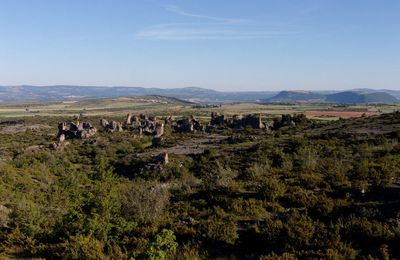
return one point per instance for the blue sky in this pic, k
(219, 44)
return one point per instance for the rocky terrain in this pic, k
(206, 183)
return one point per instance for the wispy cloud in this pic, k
(179, 11)
(206, 27)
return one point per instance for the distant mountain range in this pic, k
(345, 97)
(297, 96)
(193, 94)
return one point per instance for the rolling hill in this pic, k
(345, 97)
(356, 97)
(192, 94)
(58, 93)
(296, 96)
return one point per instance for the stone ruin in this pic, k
(189, 125)
(71, 130)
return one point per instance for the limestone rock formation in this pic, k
(76, 130)
(5, 216)
(237, 121)
(159, 131)
(189, 125)
(169, 121)
(128, 119)
(284, 121)
(162, 158)
(157, 141)
(253, 121)
(112, 126)
(217, 119)
(104, 123)
(142, 125)
(71, 130)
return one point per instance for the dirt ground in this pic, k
(344, 114)
(191, 146)
(13, 129)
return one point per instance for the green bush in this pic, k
(162, 245)
(271, 188)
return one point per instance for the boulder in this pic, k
(253, 121)
(128, 119)
(4, 216)
(104, 123)
(284, 121)
(159, 129)
(61, 138)
(113, 126)
(157, 141)
(72, 130)
(169, 121)
(217, 119)
(162, 158)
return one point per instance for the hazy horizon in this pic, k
(227, 45)
(206, 88)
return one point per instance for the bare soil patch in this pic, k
(338, 113)
(192, 146)
(13, 129)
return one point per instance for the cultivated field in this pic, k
(162, 106)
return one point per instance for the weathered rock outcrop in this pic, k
(189, 125)
(253, 121)
(291, 121)
(157, 141)
(284, 121)
(104, 123)
(217, 119)
(71, 130)
(162, 158)
(112, 126)
(78, 130)
(61, 142)
(128, 119)
(159, 129)
(169, 121)
(5, 215)
(237, 121)
(145, 125)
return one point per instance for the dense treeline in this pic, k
(285, 194)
